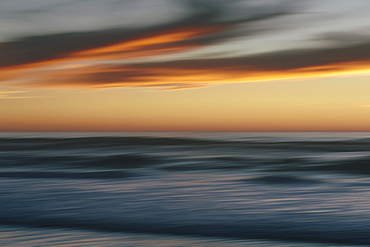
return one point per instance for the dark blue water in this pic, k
(184, 189)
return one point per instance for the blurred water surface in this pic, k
(184, 189)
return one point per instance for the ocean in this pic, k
(184, 189)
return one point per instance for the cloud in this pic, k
(287, 64)
(14, 95)
(117, 55)
(198, 18)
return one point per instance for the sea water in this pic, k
(184, 189)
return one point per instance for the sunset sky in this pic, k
(184, 65)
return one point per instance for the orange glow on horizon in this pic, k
(313, 105)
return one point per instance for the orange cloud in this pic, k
(199, 23)
(108, 76)
(107, 59)
(14, 95)
(200, 72)
(161, 43)
(168, 41)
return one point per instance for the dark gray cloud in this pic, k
(195, 13)
(274, 61)
(47, 47)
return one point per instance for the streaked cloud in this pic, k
(15, 95)
(167, 48)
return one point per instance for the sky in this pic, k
(184, 65)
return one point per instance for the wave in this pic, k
(352, 166)
(115, 161)
(168, 162)
(17, 143)
(100, 142)
(327, 232)
(348, 156)
(67, 175)
(283, 180)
